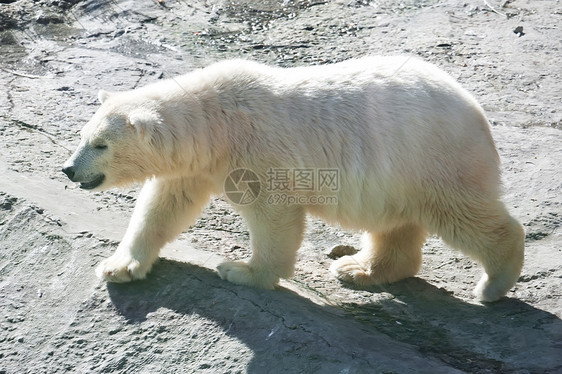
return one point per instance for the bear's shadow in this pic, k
(419, 314)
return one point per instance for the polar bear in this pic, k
(412, 151)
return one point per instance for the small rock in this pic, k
(519, 31)
(341, 250)
(45, 18)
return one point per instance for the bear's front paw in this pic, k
(241, 273)
(120, 269)
(352, 270)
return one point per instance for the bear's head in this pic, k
(124, 142)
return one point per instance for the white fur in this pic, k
(413, 150)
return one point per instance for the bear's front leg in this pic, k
(276, 233)
(164, 208)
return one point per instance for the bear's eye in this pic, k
(100, 146)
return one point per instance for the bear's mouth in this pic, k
(94, 183)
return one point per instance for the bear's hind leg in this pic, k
(276, 234)
(386, 257)
(493, 238)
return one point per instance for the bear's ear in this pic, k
(103, 95)
(144, 121)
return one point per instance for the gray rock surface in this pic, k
(56, 316)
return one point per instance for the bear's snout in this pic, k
(69, 171)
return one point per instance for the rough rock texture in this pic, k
(56, 316)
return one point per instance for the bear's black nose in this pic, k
(69, 171)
